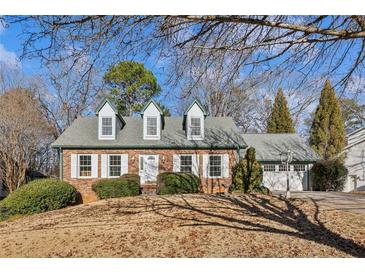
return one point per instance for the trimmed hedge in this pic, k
(38, 196)
(329, 175)
(177, 183)
(126, 185)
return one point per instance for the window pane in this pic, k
(195, 127)
(114, 165)
(283, 168)
(215, 165)
(106, 126)
(186, 163)
(85, 165)
(269, 167)
(299, 167)
(151, 125)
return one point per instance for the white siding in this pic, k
(355, 163)
(74, 164)
(107, 111)
(196, 112)
(151, 111)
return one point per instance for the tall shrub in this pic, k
(327, 133)
(280, 120)
(247, 174)
(329, 175)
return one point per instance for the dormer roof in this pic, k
(112, 105)
(196, 101)
(151, 101)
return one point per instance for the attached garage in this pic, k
(269, 150)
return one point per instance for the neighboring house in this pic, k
(108, 145)
(269, 148)
(355, 160)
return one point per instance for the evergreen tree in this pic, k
(327, 133)
(132, 85)
(280, 120)
(247, 174)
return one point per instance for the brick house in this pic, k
(109, 145)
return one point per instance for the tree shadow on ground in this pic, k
(235, 211)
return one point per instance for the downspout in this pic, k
(60, 155)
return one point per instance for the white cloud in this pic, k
(9, 58)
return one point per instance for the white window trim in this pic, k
(145, 126)
(108, 165)
(101, 133)
(196, 137)
(78, 166)
(208, 171)
(192, 164)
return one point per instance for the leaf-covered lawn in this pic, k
(187, 226)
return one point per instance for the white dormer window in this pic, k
(152, 126)
(194, 121)
(152, 121)
(195, 125)
(106, 126)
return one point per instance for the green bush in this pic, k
(127, 185)
(177, 183)
(247, 174)
(329, 175)
(38, 196)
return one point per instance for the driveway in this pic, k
(338, 200)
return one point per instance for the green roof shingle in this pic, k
(220, 132)
(269, 146)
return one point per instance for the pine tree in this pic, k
(280, 120)
(327, 133)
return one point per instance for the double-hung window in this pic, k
(85, 165)
(106, 126)
(284, 168)
(215, 166)
(186, 163)
(151, 126)
(195, 126)
(269, 167)
(299, 167)
(114, 165)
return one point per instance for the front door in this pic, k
(148, 168)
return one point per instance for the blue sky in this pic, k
(11, 50)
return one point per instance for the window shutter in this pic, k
(104, 165)
(225, 158)
(176, 163)
(94, 165)
(73, 165)
(195, 162)
(205, 165)
(123, 164)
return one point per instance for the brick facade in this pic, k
(208, 185)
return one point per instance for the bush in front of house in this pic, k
(329, 175)
(247, 174)
(38, 196)
(126, 185)
(177, 183)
